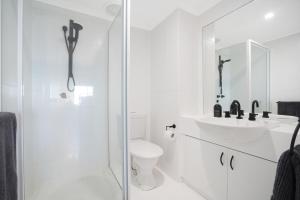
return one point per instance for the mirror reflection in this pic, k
(253, 52)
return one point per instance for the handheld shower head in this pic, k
(77, 27)
(71, 43)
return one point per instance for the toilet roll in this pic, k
(170, 135)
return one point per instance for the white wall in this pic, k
(66, 138)
(174, 72)
(189, 64)
(164, 88)
(285, 70)
(139, 98)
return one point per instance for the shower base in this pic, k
(85, 188)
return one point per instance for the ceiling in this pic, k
(95, 8)
(145, 14)
(250, 22)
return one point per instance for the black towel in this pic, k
(8, 168)
(287, 181)
(296, 166)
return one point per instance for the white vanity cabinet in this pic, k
(242, 176)
(203, 169)
(250, 177)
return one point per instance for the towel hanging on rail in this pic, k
(8, 168)
(287, 181)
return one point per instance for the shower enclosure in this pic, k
(72, 143)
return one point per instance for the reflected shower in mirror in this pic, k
(262, 42)
(220, 68)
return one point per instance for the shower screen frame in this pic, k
(125, 51)
(249, 45)
(125, 61)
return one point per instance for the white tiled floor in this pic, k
(169, 190)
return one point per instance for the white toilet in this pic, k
(144, 154)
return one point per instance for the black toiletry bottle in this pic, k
(217, 110)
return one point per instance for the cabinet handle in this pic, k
(232, 157)
(221, 158)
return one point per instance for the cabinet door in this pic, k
(203, 169)
(251, 178)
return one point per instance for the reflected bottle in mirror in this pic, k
(217, 110)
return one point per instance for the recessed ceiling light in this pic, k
(269, 15)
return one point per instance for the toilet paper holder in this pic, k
(172, 126)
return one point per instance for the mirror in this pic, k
(252, 54)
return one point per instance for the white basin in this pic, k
(234, 123)
(265, 138)
(239, 131)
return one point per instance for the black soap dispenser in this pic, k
(217, 110)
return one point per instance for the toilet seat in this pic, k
(145, 149)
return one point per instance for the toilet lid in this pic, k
(145, 149)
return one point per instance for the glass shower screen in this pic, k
(75, 143)
(115, 116)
